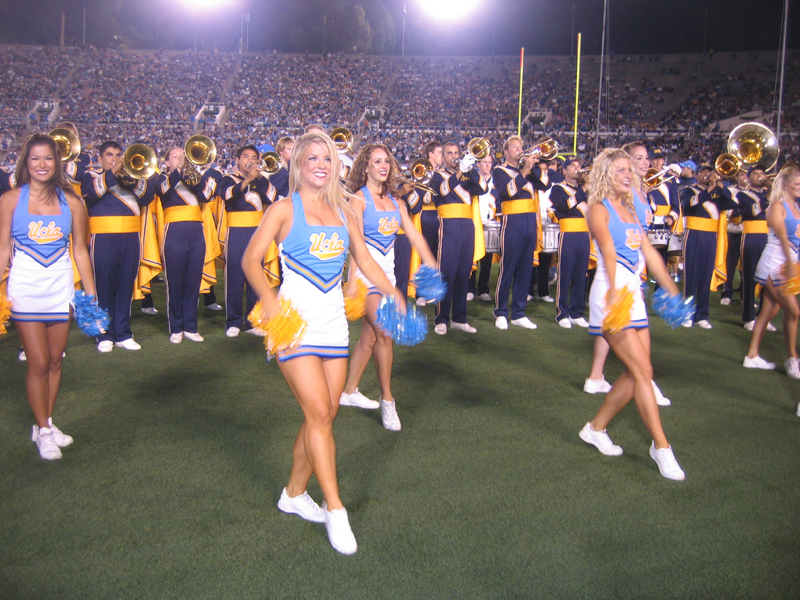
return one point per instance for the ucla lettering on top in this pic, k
(388, 226)
(324, 248)
(44, 235)
(633, 238)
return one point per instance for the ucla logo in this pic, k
(633, 238)
(648, 217)
(325, 249)
(388, 226)
(44, 235)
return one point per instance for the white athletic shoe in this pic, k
(22, 355)
(61, 439)
(725, 301)
(548, 299)
(661, 400)
(339, 533)
(564, 323)
(440, 329)
(530, 297)
(596, 386)
(194, 337)
(771, 327)
(470, 296)
(389, 415)
(798, 409)
(214, 306)
(792, 368)
(302, 505)
(463, 327)
(600, 440)
(704, 324)
(105, 346)
(150, 311)
(176, 338)
(580, 322)
(485, 297)
(257, 331)
(757, 363)
(45, 441)
(523, 322)
(232, 331)
(667, 465)
(501, 323)
(687, 323)
(129, 344)
(358, 400)
(749, 325)
(421, 302)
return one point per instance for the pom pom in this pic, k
(673, 309)
(618, 312)
(791, 286)
(5, 313)
(356, 306)
(284, 331)
(90, 318)
(406, 330)
(430, 284)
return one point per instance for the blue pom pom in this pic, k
(406, 330)
(430, 284)
(673, 309)
(91, 319)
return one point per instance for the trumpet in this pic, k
(421, 172)
(479, 148)
(654, 177)
(69, 146)
(546, 149)
(342, 139)
(727, 165)
(200, 151)
(139, 162)
(271, 163)
(583, 175)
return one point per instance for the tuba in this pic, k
(342, 139)
(754, 144)
(200, 151)
(139, 162)
(546, 149)
(69, 146)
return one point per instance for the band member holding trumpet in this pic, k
(479, 283)
(246, 193)
(280, 178)
(753, 204)
(114, 199)
(662, 194)
(516, 185)
(182, 190)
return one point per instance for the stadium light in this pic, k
(449, 10)
(204, 5)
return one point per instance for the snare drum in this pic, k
(675, 245)
(491, 236)
(550, 233)
(659, 236)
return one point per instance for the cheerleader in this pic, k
(777, 265)
(623, 249)
(36, 221)
(379, 215)
(314, 228)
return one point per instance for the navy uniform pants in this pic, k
(573, 262)
(753, 245)
(731, 261)
(115, 260)
(184, 256)
(517, 243)
(235, 281)
(429, 219)
(456, 250)
(479, 283)
(699, 251)
(402, 262)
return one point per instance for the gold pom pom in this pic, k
(5, 313)
(284, 331)
(618, 312)
(356, 306)
(791, 287)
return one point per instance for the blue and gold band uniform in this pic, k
(488, 202)
(752, 209)
(243, 211)
(518, 202)
(184, 245)
(402, 247)
(76, 169)
(569, 205)
(702, 210)
(114, 223)
(666, 205)
(280, 179)
(429, 222)
(453, 201)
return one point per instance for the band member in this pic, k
(379, 215)
(488, 207)
(281, 179)
(734, 233)
(36, 220)
(702, 203)
(664, 202)
(518, 202)
(455, 185)
(569, 204)
(753, 205)
(623, 249)
(541, 278)
(114, 209)
(687, 177)
(246, 194)
(777, 265)
(410, 197)
(429, 218)
(316, 371)
(75, 169)
(182, 191)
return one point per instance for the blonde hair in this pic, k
(333, 191)
(781, 183)
(629, 148)
(513, 138)
(601, 179)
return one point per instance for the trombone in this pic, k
(727, 165)
(343, 140)
(69, 146)
(139, 162)
(421, 172)
(654, 178)
(200, 151)
(546, 149)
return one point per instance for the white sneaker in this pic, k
(257, 331)
(176, 338)
(749, 325)
(215, 306)
(687, 323)
(792, 368)
(564, 323)
(302, 505)
(470, 296)
(61, 439)
(440, 329)
(339, 533)
(600, 440)
(129, 344)
(22, 355)
(194, 337)
(596, 386)
(530, 297)
(501, 323)
(798, 409)
(524, 322)
(757, 363)
(485, 297)
(358, 400)
(546, 299)
(105, 346)
(389, 415)
(421, 302)
(703, 324)
(667, 465)
(580, 322)
(150, 311)
(771, 327)
(45, 441)
(463, 327)
(232, 331)
(661, 400)
(725, 301)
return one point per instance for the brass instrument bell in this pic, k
(727, 165)
(545, 149)
(69, 146)
(480, 148)
(754, 144)
(271, 163)
(342, 139)
(139, 162)
(200, 151)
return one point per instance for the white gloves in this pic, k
(466, 163)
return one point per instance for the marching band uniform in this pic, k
(664, 203)
(243, 214)
(114, 223)
(7, 181)
(380, 229)
(184, 247)
(280, 180)
(402, 247)
(429, 220)
(755, 233)
(569, 204)
(76, 169)
(453, 200)
(488, 207)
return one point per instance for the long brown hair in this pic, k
(358, 172)
(58, 182)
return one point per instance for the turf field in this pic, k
(181, 453)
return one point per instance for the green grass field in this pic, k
(181, 453)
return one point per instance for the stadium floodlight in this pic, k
(205, 5)
(449, 10)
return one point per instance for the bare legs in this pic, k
(599, 355)
(373, 342)
(44, 344)
(771, 302)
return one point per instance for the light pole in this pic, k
(403, 43)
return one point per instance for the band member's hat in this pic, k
(689, 163)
